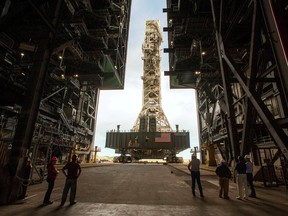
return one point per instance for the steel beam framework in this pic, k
(55, 57)
(234, 54)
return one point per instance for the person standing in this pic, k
(26, 178)
(224, 174)
(249, 174)
(73, 172)
(51, 176)
(241, 178)
(194, 168)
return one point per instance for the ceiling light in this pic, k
(194, 43)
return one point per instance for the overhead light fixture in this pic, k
(76, 75)
(197, 72)
(194, 43)
(203, 53)
(60, 57)
(22, 54)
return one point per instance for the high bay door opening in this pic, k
(152, 136)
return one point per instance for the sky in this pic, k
(121, 107)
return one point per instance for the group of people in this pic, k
(244, 177)
(72, 171)
(243, 169)
(244, 173)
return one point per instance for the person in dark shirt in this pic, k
(73, 172)
(241, 178)
(26, 178)
(51, 176)
(224, 174)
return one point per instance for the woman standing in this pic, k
(51, 176)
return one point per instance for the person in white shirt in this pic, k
(194, 168)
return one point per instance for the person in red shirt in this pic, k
(51, 176)
(72, 175)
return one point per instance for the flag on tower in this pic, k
(163, 137)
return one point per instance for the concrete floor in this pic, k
(140, 190)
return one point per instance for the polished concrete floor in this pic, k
(140, 190)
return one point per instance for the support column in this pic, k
(250, 113)
(232, 129)
(13, 171)
(278, 30)
(210, 152)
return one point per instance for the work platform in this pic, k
(148, 189)
(148, 145)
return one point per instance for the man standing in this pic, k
(241, 178)
(72, 175)
(224, 174)
(194, 168)
(249, 174)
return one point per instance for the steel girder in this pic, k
(276, 23)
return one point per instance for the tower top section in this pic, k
(153, 33)
(151, 118)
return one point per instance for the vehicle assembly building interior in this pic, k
(57, 55)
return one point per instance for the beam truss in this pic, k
(238, 66)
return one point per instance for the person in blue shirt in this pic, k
(249, 175)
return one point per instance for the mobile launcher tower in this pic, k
(151, 136)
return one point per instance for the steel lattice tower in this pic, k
(151, 117)
(151, 136)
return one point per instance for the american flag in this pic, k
(163, 137)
